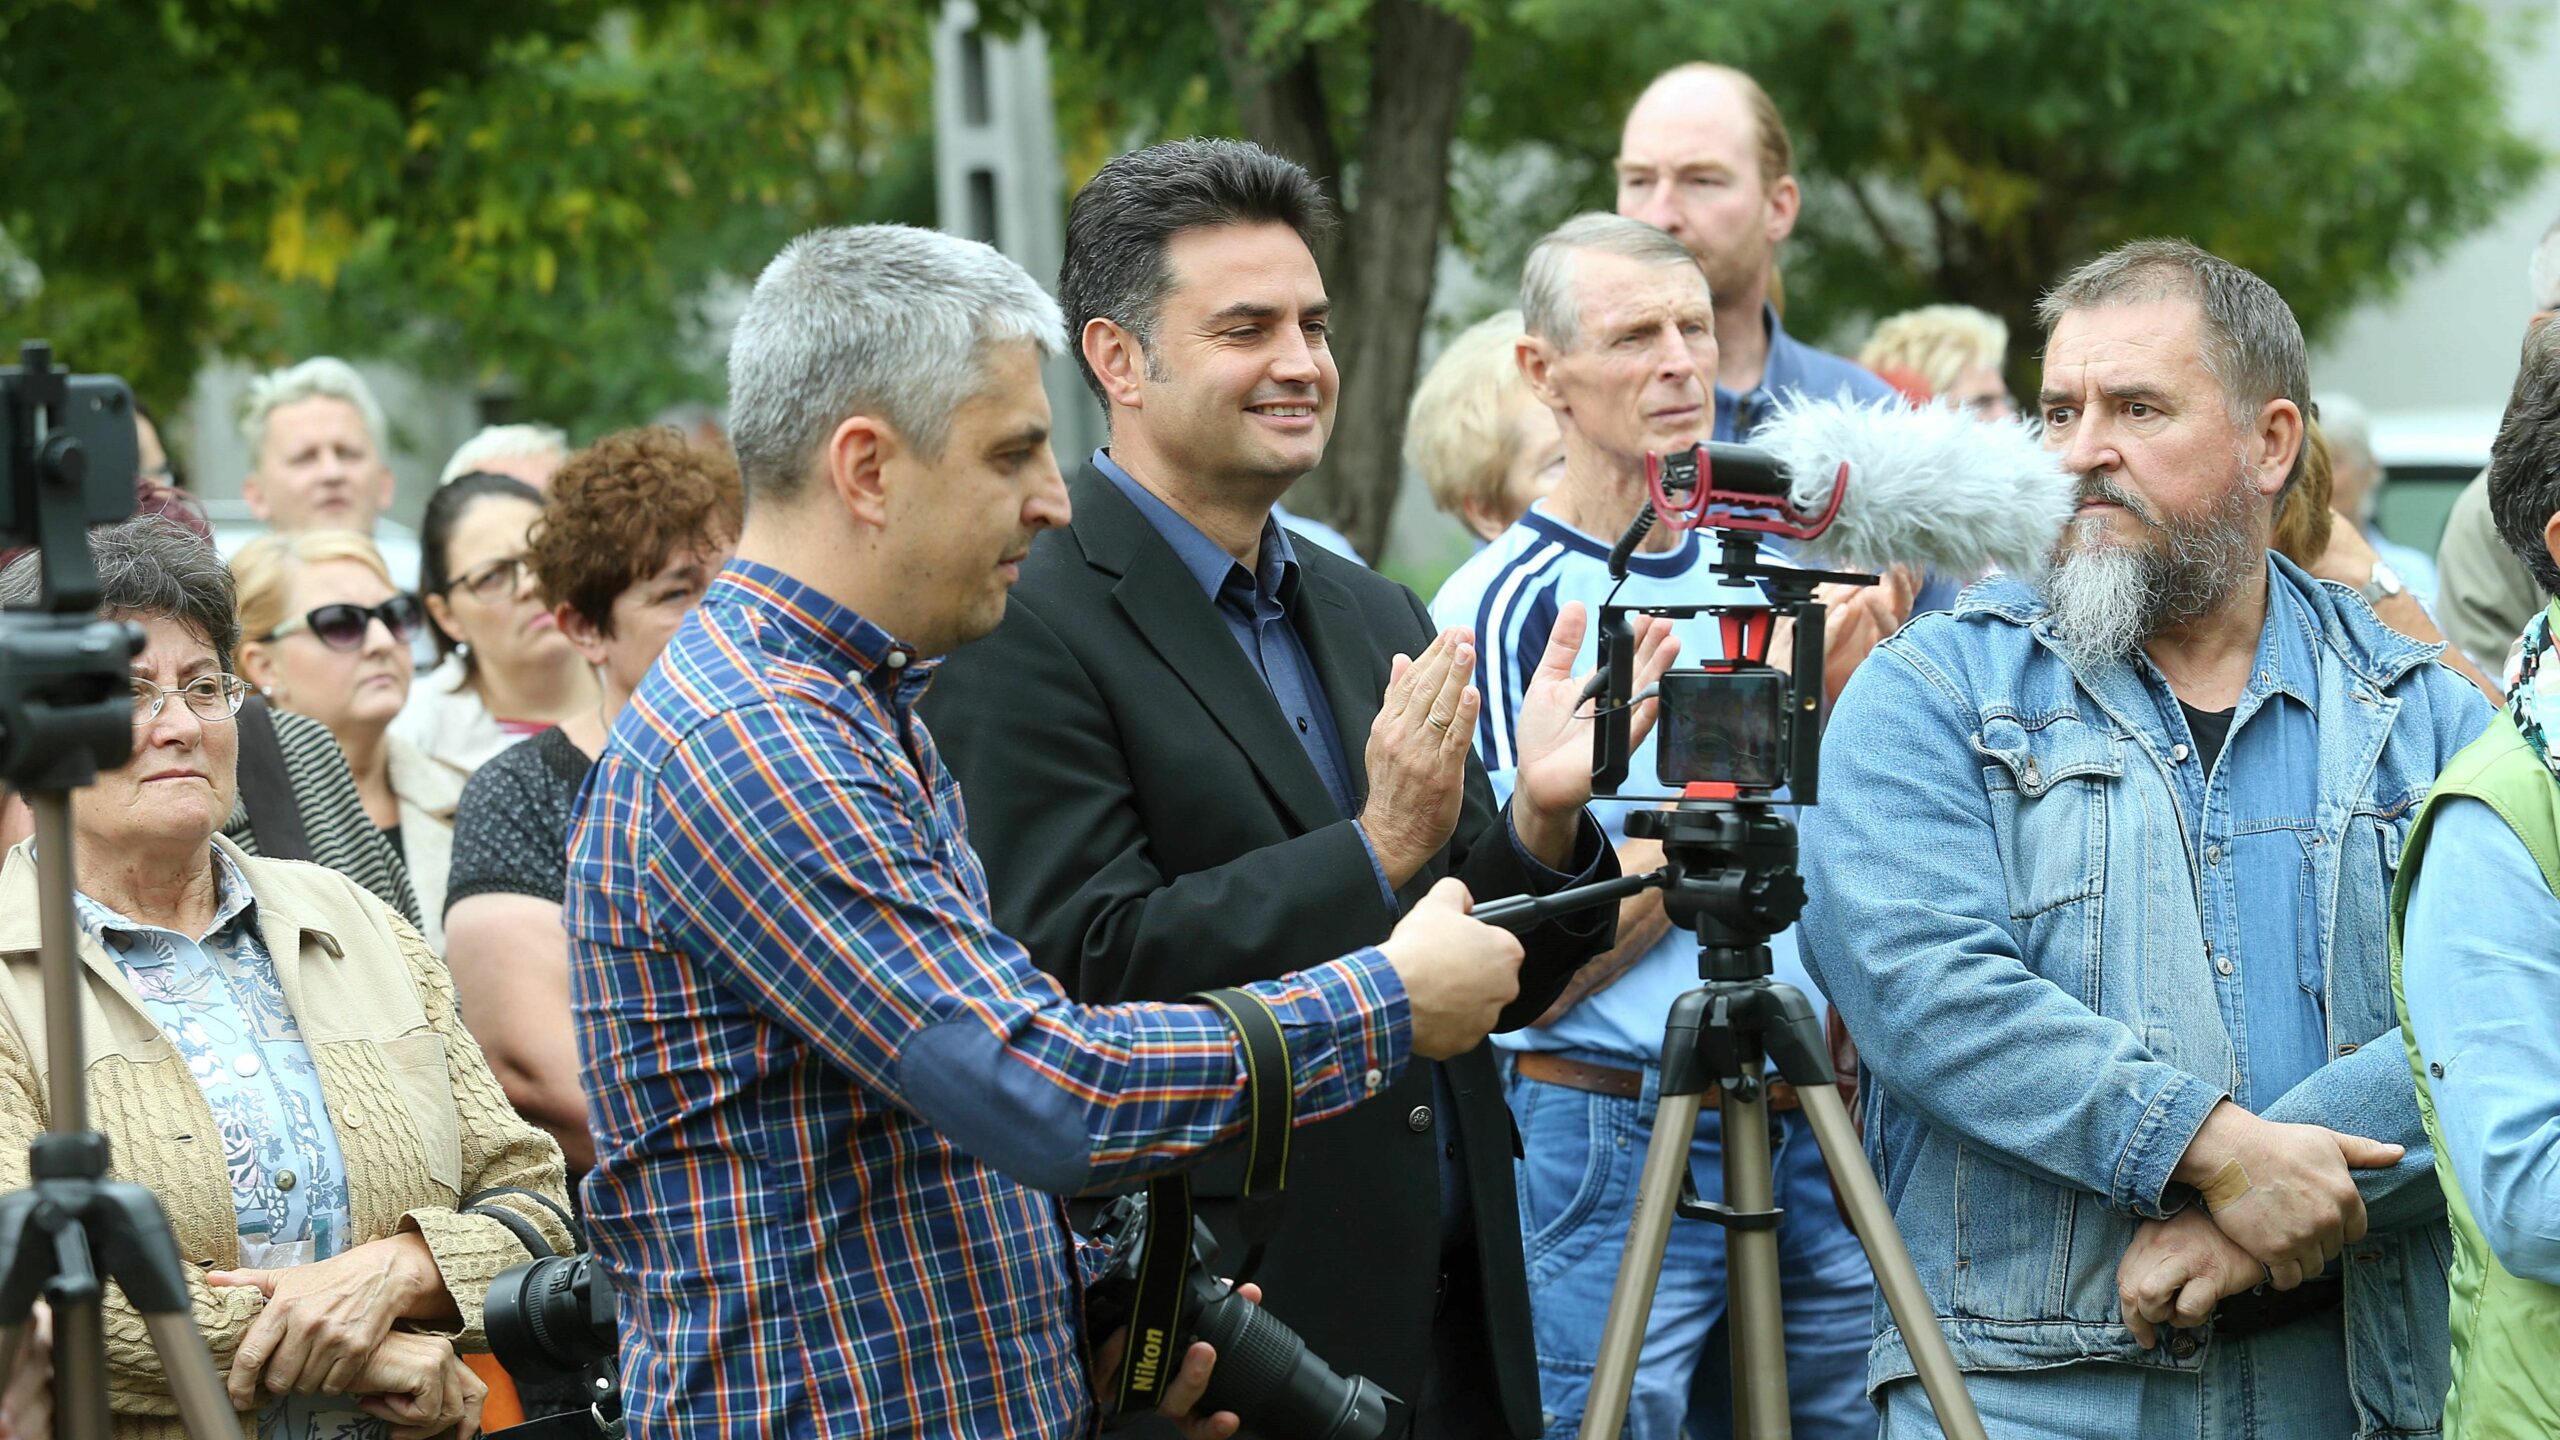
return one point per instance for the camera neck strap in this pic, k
(1150, 1359)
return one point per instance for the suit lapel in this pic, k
(1184, 629)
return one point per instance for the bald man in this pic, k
(1706, 156)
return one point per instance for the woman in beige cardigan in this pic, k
(275, 1054)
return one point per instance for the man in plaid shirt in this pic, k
(834, 1109)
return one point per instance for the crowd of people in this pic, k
(760, 853)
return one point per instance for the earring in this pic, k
(266, 692)
(462, 648)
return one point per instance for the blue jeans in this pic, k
(1577, 1194)
(2288, 1384)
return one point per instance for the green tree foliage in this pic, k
(546, 195)
(1973, 150)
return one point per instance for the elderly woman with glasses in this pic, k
(328, 636)
(275, 1053)
(506, 672)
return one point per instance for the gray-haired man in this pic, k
(833, 1107)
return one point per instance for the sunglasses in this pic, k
(343, 626)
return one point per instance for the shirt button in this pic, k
(245, 1066)
(2182, 1346)
(285, 1180)
(2213, 854)
(2223, 965)
(1374, 1079)
(1302, 724)
(1419, 1120)
(2177, 754)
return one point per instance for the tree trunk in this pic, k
(1379, 268)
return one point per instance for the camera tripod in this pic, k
(65, 712)
(1729, 876)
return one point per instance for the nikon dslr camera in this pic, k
(1265, 1373)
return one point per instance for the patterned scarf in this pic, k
(2533, 687)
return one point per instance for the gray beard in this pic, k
(2108, 596)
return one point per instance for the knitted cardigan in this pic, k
(420, 1119)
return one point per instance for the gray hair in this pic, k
(2348, 428)
(2542, 272)
(1550, 307)
(149, 567)
(321, 375)
(2252, 344)
(883, 320)
(497, 441)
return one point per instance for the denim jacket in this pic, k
(2004, 906)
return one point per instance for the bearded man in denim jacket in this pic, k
(2100, 883)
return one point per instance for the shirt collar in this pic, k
(233, 903)
(2287, 659)
(1274, 580)
(816, 621)
(1784, 369)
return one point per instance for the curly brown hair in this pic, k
(622, 508)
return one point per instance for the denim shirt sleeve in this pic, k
(1907, 928)
(2482, 983)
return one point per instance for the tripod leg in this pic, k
(204, 1407)
(79, 1370)
(1751, 1308)
(1903, 1293)
(1666, 1160)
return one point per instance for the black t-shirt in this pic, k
(2211, 729)
(511, 831)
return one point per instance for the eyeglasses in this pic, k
(343, 626)
(212, 697)
(494, 581)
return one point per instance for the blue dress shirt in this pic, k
(2480, 968)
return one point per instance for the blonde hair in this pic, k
(1937, 343)
(263, 572)
(1457, 433)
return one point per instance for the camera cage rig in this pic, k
(1682, 494)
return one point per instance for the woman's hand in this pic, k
(324, 1320)
(421, 1387)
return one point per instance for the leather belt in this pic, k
(1549, 1069)
(2255, 1312)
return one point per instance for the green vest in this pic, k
(2506, 1330)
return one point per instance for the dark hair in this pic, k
(148, 567)
(1125, 217)
(435, 534)
(2524, 463)
(625, 506)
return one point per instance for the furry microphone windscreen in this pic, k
(1930, 486)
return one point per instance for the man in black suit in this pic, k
(1196, 754)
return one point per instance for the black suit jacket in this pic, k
(1151, 827)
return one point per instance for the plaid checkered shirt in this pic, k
(834, 1108)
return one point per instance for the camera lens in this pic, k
(551, 1316)
(1266, 1374)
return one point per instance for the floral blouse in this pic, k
(218, 1000)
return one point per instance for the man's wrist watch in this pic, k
(2384, 584)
